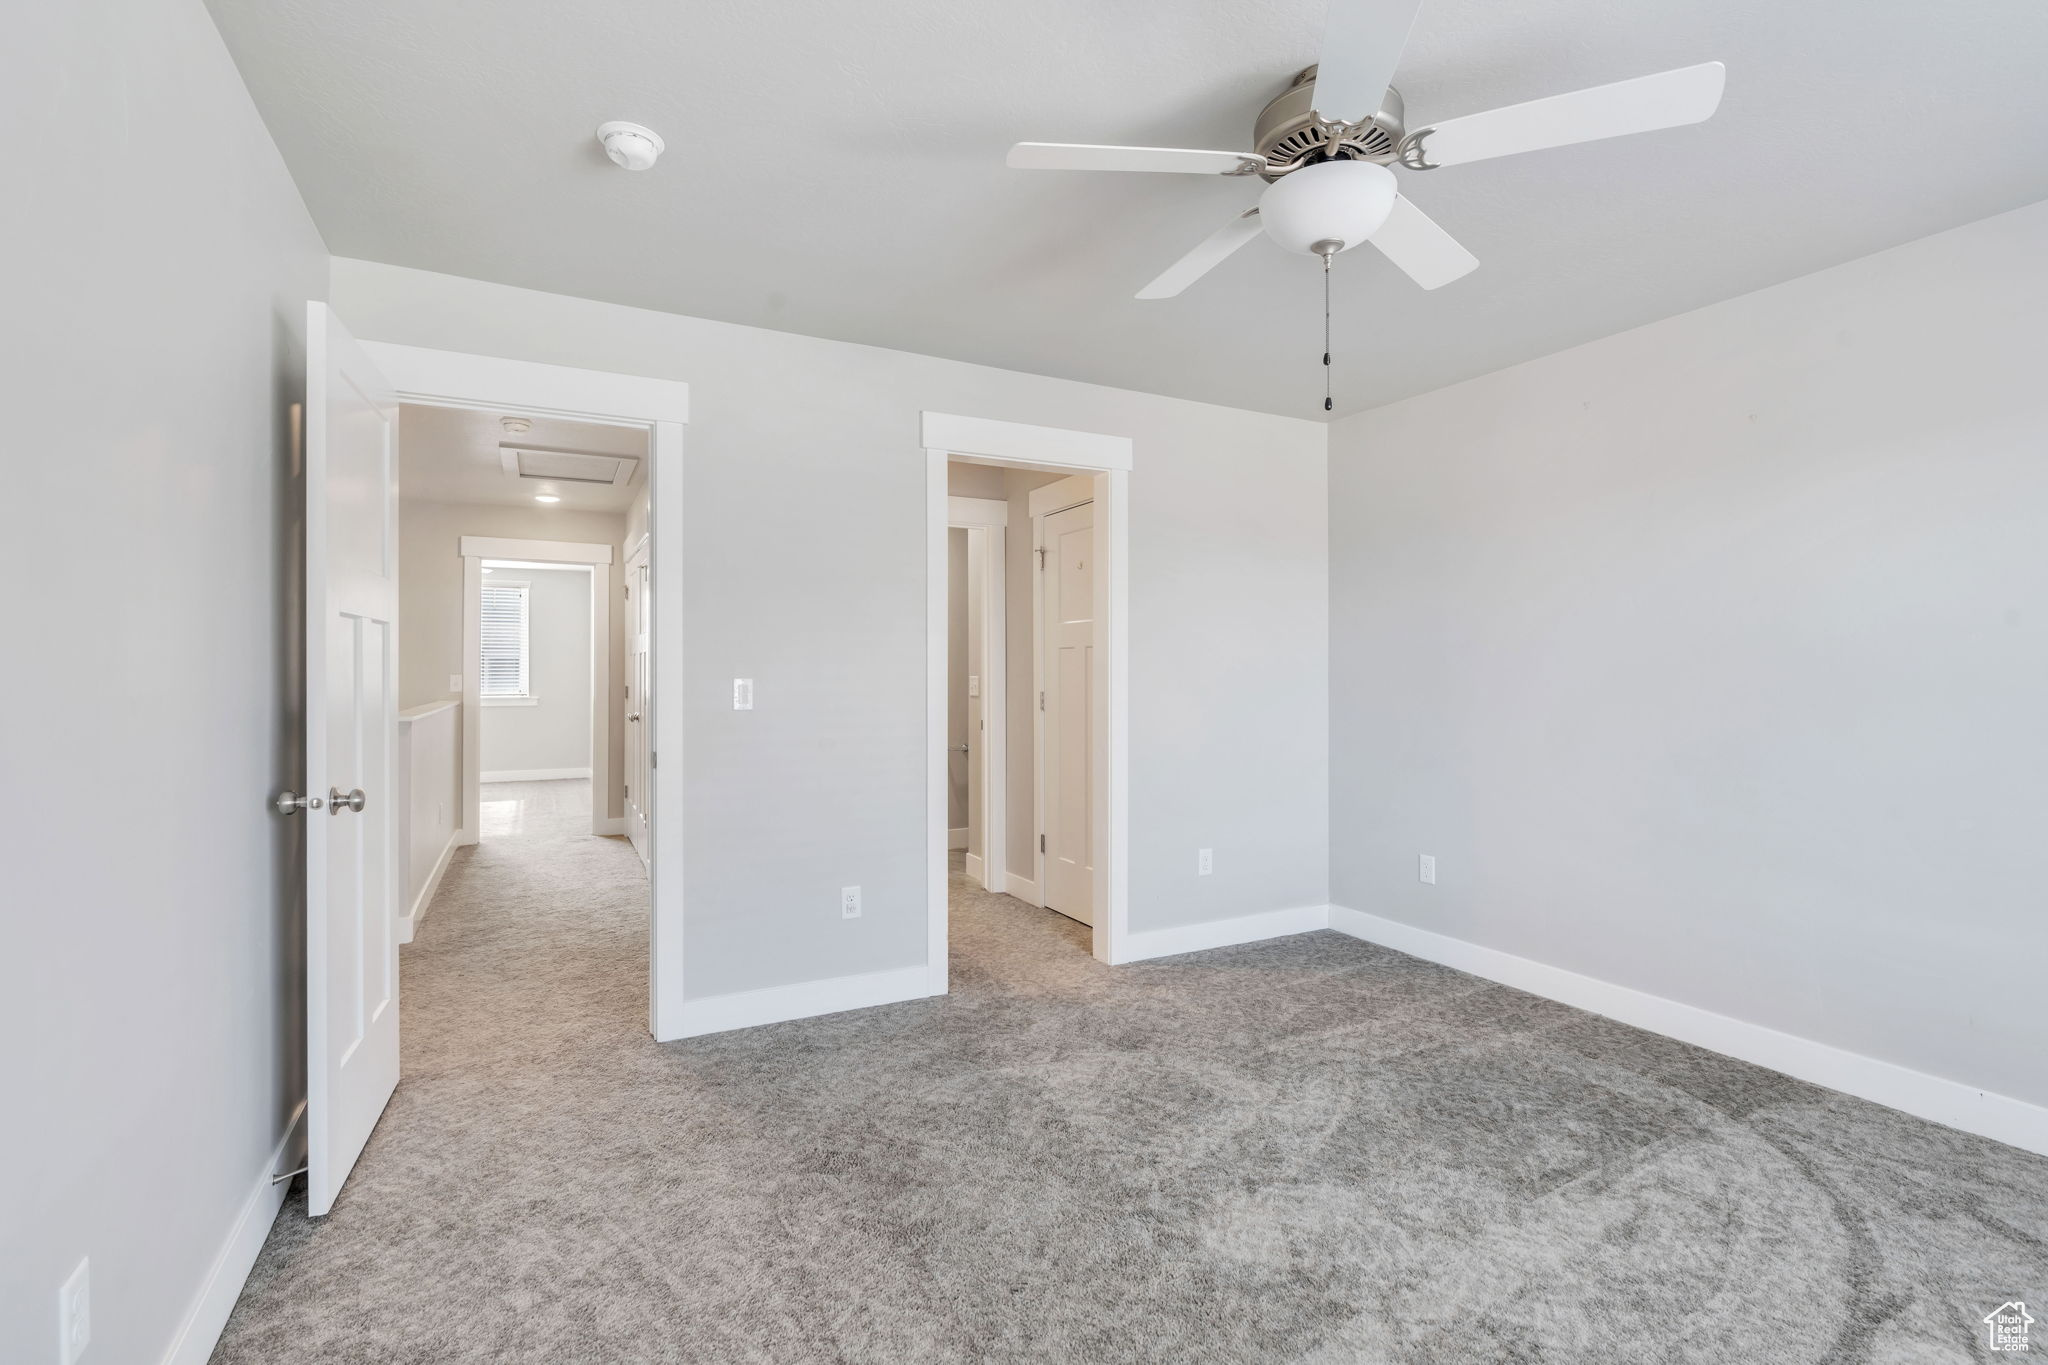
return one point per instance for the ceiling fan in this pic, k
(1324, 146)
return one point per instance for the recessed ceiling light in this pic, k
(545, 497)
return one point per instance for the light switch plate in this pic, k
(973, 684)
(742, 694)
(454, 682)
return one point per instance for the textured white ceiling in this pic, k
(451, 455)
(836, 169)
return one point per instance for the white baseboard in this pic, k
(777, 1004)
(1983, 1112)
(409, 923)
(200, 1332)
(614, 824)
(1221, 933)
(1023, 888)
(972, 867)
(533, 775)
(956, 838)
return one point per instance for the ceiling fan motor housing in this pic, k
(1290, 135)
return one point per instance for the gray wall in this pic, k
(1020, 567)
(430, 593)
(956, 677)
(554, 732)
(805, 571)
(1712, 659)
(159, 266)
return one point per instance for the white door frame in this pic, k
(986, 520)
(476, 551)
(661, 408)
(1107, 459)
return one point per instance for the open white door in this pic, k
(352, 875)
(1066, 545)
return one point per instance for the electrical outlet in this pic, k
(1426, 869)
(74, 1313)
(742, 694)
(849, 902)
(1205, 862)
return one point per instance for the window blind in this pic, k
(504, 640)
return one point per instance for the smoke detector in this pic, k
(515, 426)
(629, 145)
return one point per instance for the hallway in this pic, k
(1296, 1150)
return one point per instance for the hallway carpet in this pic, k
(1309, 1150)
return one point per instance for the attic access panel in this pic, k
(567, 466)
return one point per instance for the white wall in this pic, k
(964, 480)
(553, 733)
(1709, 659)
(805, 571)
(152, 327)
(430, 770)
(430, 595)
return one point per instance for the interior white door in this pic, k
(1067, 564)
(638, 723)
(352, 873)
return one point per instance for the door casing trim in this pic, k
(661, 408)
(1107, 461)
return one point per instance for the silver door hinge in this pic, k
(1041, 843)
(1041, 701)
(653, 759)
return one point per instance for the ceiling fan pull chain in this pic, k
(1326, 331)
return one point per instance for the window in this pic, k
(504, 666)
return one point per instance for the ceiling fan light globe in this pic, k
(1344, 201)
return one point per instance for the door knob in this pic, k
(337, 799)
(634, 716)
(289, 804)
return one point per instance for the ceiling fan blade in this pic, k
(1071, 156)
(1362, 43)
(1669, 99)
(1411, 239)
(1213, 251)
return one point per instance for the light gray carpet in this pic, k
(1309, 1150)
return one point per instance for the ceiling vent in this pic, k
(567, 466)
